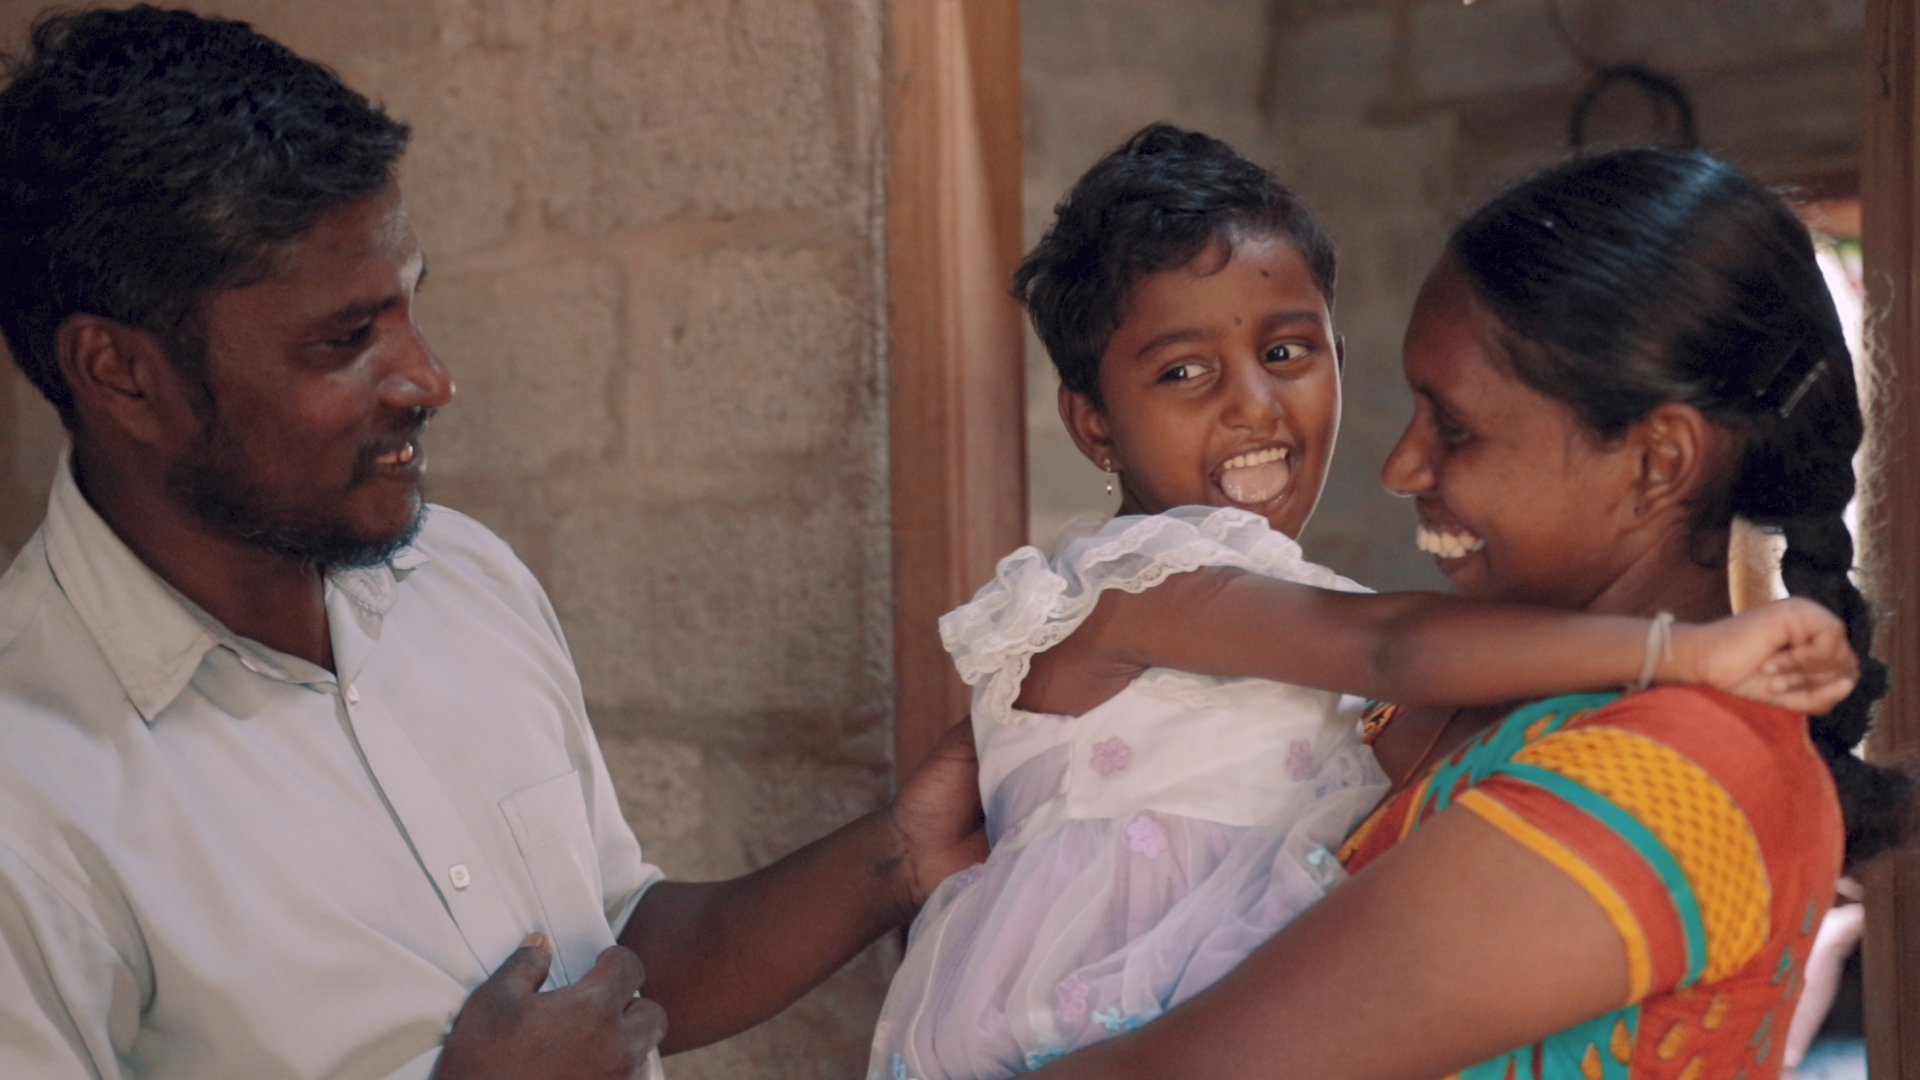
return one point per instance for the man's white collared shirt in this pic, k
(221, 862)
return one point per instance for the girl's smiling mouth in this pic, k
(1258, 477)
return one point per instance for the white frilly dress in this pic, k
(1140, 850)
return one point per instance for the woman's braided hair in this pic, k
(1629, 279)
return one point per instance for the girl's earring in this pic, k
(1107, 467)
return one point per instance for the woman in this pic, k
(1609, 363)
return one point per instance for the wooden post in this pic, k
(1890, 239)
(958, 449)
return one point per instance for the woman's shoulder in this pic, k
(1702, 819)
(1753, 750)
(1687, 750)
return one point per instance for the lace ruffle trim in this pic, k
(1034, 602)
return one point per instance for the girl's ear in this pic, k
(1090, 430)
(1678, 453)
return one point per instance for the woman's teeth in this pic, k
(1448, 545)
(398, 457)
(1255, 478)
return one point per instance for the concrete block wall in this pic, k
(1393, 118)
(655, 230)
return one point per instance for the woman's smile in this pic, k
(1446, 542)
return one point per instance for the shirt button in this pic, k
(353, 694)
(459, 876)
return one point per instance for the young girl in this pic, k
(1153, 822)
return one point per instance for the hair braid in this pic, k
(1817, 565)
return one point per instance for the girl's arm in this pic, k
(1427, 648)
(1457, 945)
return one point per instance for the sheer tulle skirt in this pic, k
(1095, 927)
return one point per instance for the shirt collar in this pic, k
(152, 636)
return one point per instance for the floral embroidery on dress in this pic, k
(1112, 756)
(1039, 1058)
(1112, 1020)
(1070, 999)
(1300, 760)
(1146, 837)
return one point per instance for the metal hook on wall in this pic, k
(1667, 95)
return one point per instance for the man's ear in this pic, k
(1678, 451)
(1088, 426)
(121, 376)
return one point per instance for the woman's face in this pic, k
(1517, 500)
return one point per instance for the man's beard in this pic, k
(212, 482)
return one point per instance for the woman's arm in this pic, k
(1457, 945)
(1427, 648)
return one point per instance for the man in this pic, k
(291, 782)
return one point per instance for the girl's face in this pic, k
(1517, 499)
(1221, 387)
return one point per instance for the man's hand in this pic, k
(595, 1029)
(937, 816)
(725, 955)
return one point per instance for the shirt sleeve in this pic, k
(1652, 835)
(64, 990)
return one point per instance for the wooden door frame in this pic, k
(957, 458)
(1890, 244)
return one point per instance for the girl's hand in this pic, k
(1790, 653)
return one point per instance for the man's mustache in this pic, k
(412, 425)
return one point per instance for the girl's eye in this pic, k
(1180, 373)
(1292, 350)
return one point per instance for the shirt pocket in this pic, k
(549, 823)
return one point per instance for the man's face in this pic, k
(321, 385)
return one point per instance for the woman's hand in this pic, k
(1790, 653)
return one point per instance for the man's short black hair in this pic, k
(1154, 204)
(149, 157)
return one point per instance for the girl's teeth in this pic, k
(1259, 477)
(1258, 457)
(1447, 545)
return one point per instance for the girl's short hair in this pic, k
(1154, 204)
